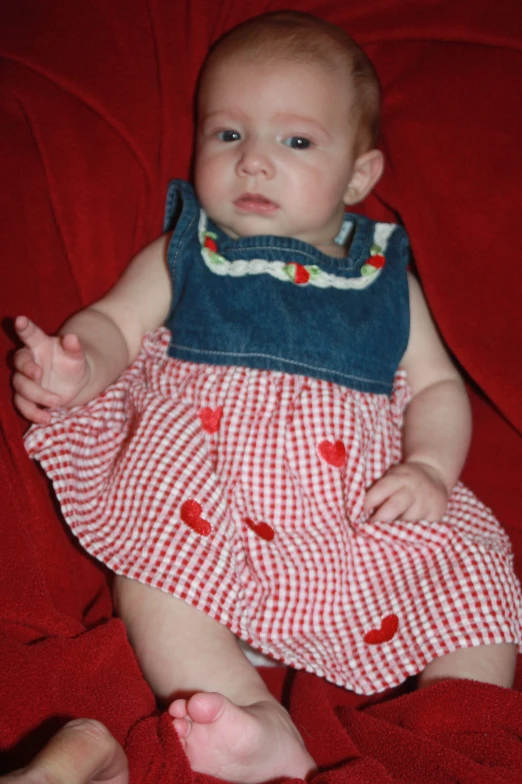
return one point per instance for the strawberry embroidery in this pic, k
(210, 246)
(300, 274)
(375, 262)
(293, 271)
(210, 242)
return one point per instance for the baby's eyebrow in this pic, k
(234, 115)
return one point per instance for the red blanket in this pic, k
(95, 102)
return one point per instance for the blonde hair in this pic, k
(296, 36)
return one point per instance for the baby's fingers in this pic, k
(25, 364)
(31, 411)
(29, 333)
(394, 508)
(71, 345)
(388, 499)
(30, 390)
(380, 491)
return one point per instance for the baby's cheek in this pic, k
(321, 203)
(207, 183)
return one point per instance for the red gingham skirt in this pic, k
(241, 492)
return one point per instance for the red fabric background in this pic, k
(95, 103)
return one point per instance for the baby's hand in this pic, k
(49, 371)
(408, 491)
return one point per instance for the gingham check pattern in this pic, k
(124, 465)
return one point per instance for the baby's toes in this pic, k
(178, 709)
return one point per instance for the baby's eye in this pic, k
(228, 136)
(297, 142)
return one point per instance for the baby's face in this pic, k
(275, 149)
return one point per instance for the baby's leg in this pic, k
(228, 722)
(487, 663)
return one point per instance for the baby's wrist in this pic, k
(434, 471)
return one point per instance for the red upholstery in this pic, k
(95, 102)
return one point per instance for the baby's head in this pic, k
(288, 114)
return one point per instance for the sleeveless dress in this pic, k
(228, 464)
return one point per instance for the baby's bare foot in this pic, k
(252, 744)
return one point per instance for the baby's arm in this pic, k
(437, 428)
(96, 344)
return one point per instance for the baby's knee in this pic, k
(493, 664)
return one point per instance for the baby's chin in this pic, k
(247, 225)
(250, 226)
(328, 247)
(257, 229)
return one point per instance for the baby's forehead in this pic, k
(263, 88)
(236, 66)
(278, 59)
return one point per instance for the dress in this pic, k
(240, 489)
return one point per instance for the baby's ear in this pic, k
(367, 171)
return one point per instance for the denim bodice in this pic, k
(277, 303)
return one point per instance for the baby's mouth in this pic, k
(255, 202)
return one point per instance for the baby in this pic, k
(258, 428)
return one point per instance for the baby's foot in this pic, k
(252, 744)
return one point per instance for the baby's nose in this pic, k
(255, 159)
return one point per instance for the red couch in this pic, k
(96, 117)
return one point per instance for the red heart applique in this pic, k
(210, 418)
(190, 513)
(263, 530)
(389, 626)
(333, 453)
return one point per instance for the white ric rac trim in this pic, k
(293, 272)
